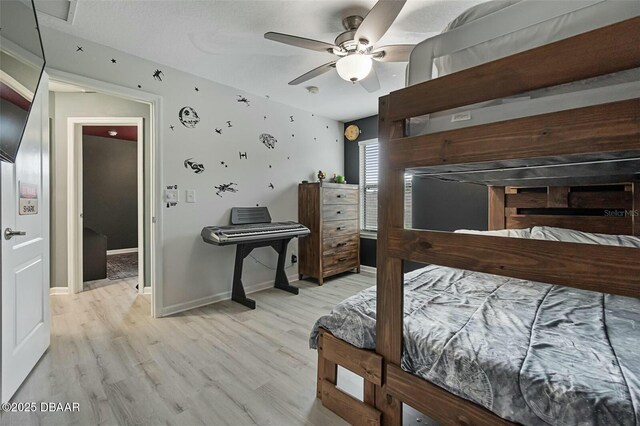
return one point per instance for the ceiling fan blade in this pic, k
(314, 73)
(394, 53)
(378, 21)
(371, 83)
(305, 43)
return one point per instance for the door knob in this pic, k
(10, 233)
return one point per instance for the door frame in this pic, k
(152, 174)
(75, 194)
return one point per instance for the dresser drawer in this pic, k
(339, 196)
(331, 263)
(339, 212)
(338, 245)
(339, 229)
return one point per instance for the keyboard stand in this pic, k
(281, 282)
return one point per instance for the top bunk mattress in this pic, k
(533, 353)
(494, 30)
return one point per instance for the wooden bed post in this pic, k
(635, 209)
(389, 269)
(496, 208)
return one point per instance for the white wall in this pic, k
(194, 272)
(63, 106)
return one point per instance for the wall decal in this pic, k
(327, 127)
(79, 49)
(225, 187)
(139, 86)
(288, 158)
(171, 127)
(224, 164)
(243, 100)
(196, 167)
(315, 139)
(243, 155)
(267, 96)
(196, 89)
(219, 131)
(292, 135)
(271, 186)
(157, 75)
(188, 117)
(229, 124)
(268, 140)
(291, 118)
(265, 117)
(269, 165)
(113, 61)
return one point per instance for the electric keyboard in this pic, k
(251, 228)
(234, 234)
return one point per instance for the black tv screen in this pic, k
(21, 66)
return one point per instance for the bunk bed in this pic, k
(550, 168)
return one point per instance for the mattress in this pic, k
(494, 30)
(532, 353)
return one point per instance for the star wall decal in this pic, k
(113, 60)
(79, 49)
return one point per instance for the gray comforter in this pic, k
(532, 353)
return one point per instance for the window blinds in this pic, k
(369, 153)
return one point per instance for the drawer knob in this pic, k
(339, 212)
(339, 195)
(341, 244)
(342, 259)
(340, 228)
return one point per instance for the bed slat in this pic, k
(585, 266)
(612, 127)
(577, 200)
(366, 364)
(610, 49)
(353, 411)
(594, 224)
(436, 402)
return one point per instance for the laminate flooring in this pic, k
(221, 364)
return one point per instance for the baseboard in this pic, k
(122, 251)
(368, 270)
(146, 290)
(58, 290)
(181, 307)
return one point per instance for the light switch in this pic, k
(191, 195)
(171, 196)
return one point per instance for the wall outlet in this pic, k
(191, 195)
(294, 258)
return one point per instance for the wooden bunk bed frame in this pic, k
(607, 128)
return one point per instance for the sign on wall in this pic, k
(28, 198)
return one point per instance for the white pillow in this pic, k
(572, 236)
(511, 233)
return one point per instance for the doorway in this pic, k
(110, 176)
(79, 103)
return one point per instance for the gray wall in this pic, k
(194, 273)
(110, 189)
(437, 205)
(65, 105)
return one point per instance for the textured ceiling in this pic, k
(223, 41)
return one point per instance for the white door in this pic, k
(25, 258)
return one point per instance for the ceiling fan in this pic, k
(355, 47)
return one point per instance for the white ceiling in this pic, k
(223, 41)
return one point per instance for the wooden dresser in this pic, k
(330, 211)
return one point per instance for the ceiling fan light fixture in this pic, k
(354, 67)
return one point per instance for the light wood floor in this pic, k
(218, 365)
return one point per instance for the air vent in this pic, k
(63, 10)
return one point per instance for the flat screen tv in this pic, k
(21, 66)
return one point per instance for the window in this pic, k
(369, 188)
